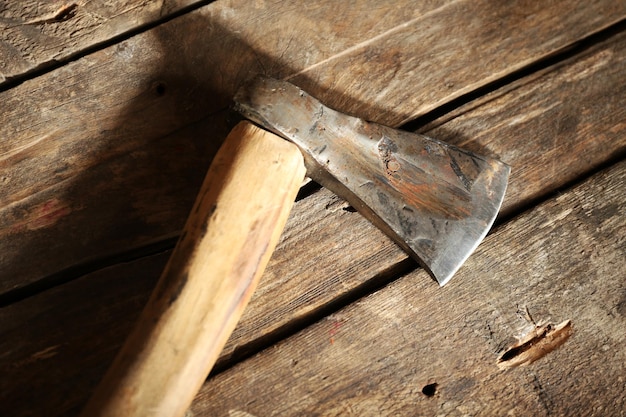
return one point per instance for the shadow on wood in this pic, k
(150, 135)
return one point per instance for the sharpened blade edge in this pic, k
(443, 271)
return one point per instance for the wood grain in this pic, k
(325, 253)
(33, 40)
(94, 144)
(558, 118)
(449, 52)
(376, 357)
(53, 371)
(85, 163)
(35, 35)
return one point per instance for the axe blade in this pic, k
(435, 200)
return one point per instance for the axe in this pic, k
(433, 199)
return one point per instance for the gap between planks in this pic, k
(472, 99)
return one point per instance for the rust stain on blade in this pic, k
(420, 189)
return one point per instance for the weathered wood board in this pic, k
(415, 349)
(96, 143)
(306, 275)
(37, 34)
(100, 161)
(434, 55)
(567, 119)
(59, 342)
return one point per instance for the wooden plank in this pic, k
(551, 120)
(38, 34)
(426, 63)
(120, 111)
(325, 252)
(69, 363)
(35, 34)
(414, 349)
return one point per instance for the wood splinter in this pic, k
(64, 13)
(541, 340)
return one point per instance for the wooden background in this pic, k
(111, 115)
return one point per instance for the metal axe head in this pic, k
(435, 200)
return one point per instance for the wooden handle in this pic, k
(233, 228)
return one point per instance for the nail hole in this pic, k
(430, 389)
(160, 89)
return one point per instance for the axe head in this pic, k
(435, 200)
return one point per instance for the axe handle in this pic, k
(227, 241)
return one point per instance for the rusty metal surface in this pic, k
(435, 200)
